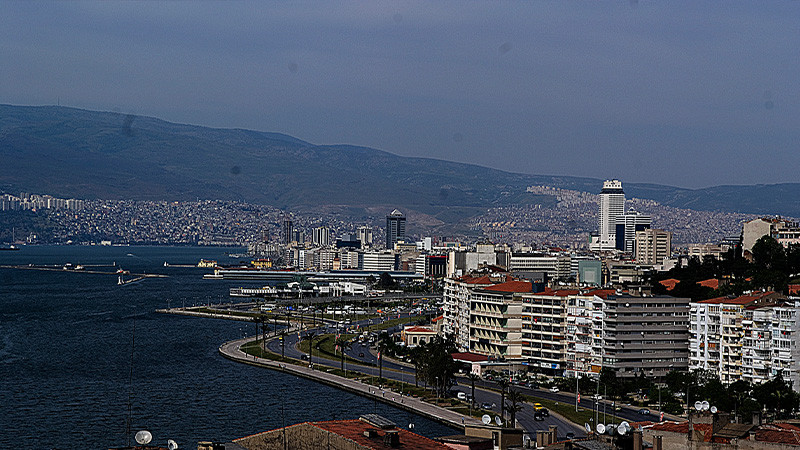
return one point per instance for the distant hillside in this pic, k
(76, 153)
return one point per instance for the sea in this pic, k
(80, 355)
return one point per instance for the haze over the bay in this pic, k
(682, 93)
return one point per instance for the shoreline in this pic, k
(231, 350)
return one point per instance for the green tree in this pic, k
(436, 364)
(516, 398)
(309, 336)
(503, 384)
(769, 254)
(472, 379)
(384, 345)
(343, 344)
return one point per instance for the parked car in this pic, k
(553, 389)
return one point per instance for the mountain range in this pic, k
(69, 152)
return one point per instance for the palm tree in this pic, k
(343, 343)
(503, 384)
(415, 354)
(472, 379)
(385, 343)
(310, 338)
(515, 397)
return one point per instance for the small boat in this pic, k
(9, 248)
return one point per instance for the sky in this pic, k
(690, 94)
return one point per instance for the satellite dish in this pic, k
(143, 437)
(172, 445)
(698, 405)
(497, 420)
(610, 429)
(713, 410)
(705, 405)
(486, 419)
(600, 428)
(623, 428)
(588, 427)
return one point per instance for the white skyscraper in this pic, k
(612, 205)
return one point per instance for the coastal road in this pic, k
(400, 372)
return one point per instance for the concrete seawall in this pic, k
(231, 350)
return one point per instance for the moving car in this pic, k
(486, 405)
(644, 412)
(538, 408)
(553, 389)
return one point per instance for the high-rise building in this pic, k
(612, 205)
(627, 226)
(364, 234)
(652, 246)
(288, 231)
(395, 228)
(321, 236)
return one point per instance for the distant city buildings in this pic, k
(28, 202)
(395, 228)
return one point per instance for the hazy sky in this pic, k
(683, 93)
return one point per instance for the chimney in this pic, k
(392, 438)
(541, 438)
(757, 418)
(553, 434)
(637, 439)
(657, 444)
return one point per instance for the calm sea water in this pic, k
(65, 358)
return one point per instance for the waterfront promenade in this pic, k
(232, 350)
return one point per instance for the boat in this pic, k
(9, 248)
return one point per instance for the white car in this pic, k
(553, 389)
(462, 395)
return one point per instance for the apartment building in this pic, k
(496, 320)
(645, 335)
(652, 246)
(456, 299)
(751, 337)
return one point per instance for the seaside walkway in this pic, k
(232, 350)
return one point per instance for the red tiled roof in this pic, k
(476, 280)
(471, 357)
(794, 289)
(786, 426)
(511, 286)
(354, 430)
(603, 293)
(740, 300)
(781, 436)
(683, 427)
(669, 283)
(418, 330)
(437, 319)
(712, 283)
